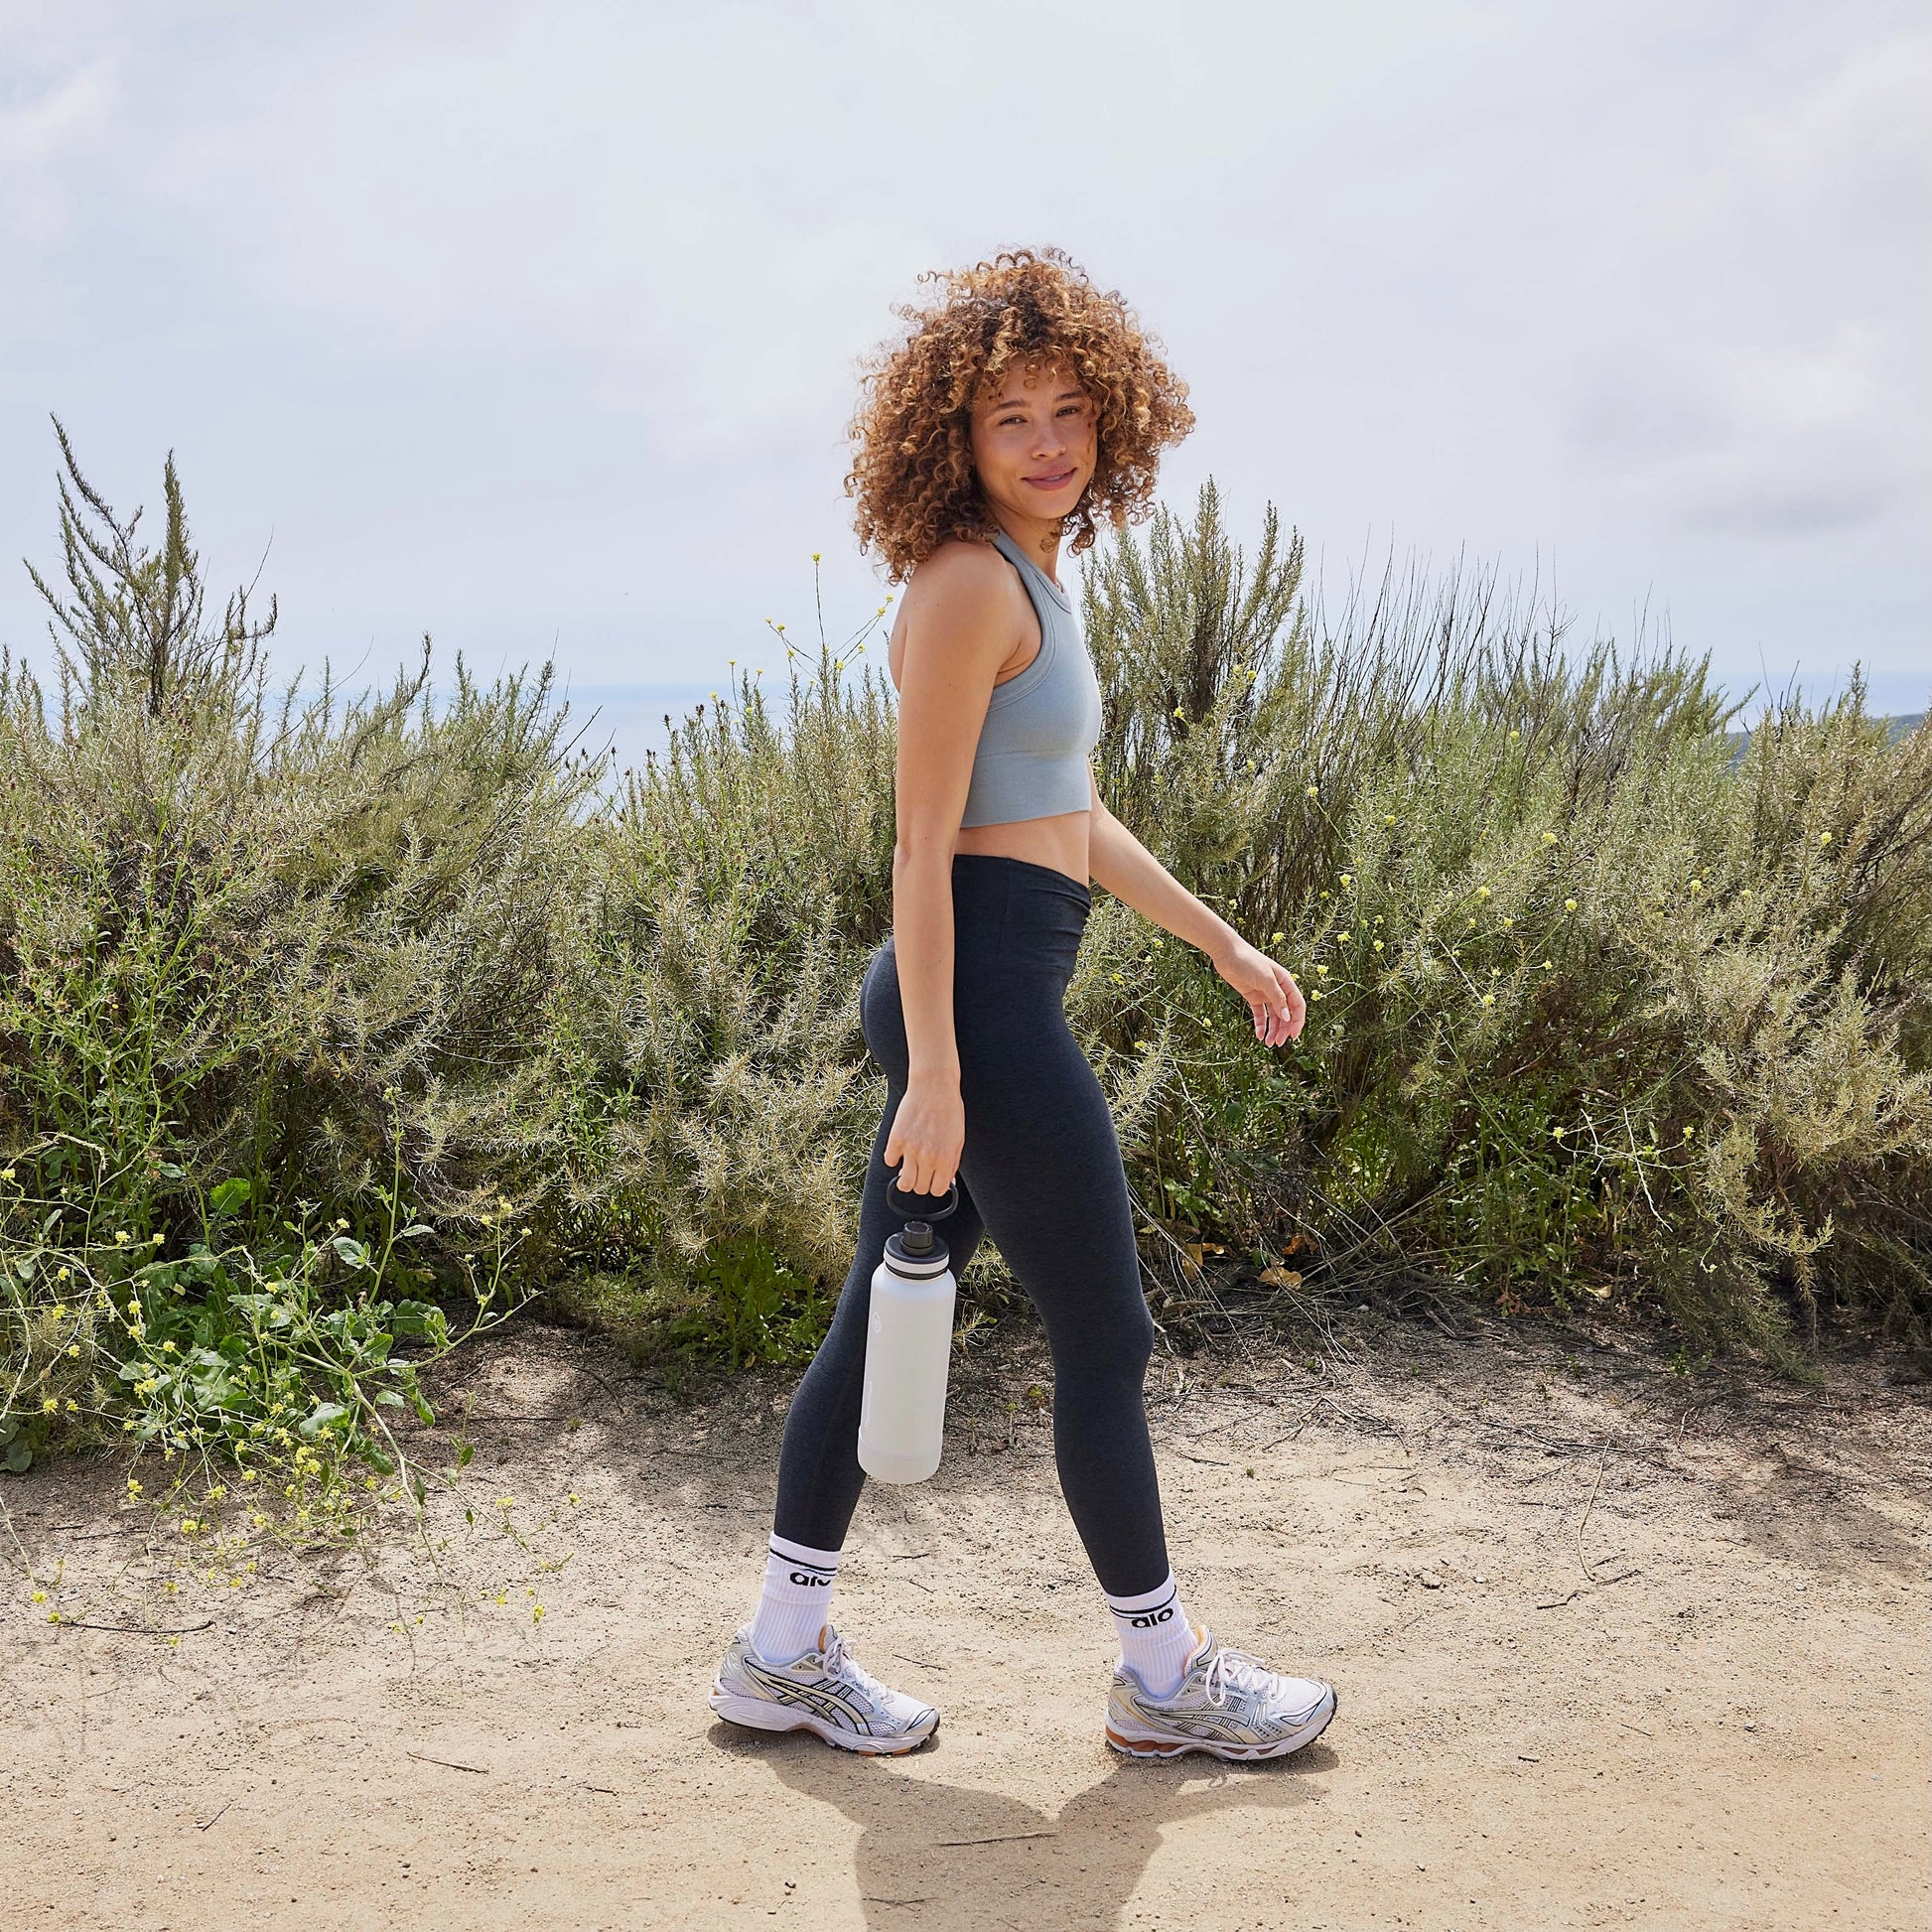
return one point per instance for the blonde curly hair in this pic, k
(913, 473)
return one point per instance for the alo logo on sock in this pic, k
(1151, 1618)
(801, 1577)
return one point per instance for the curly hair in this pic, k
(913, 473)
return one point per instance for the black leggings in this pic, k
(1039, 1171)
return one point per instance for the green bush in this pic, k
(330, 1028)
(1595, 1004)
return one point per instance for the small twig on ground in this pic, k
(199, 1827)
(1556, 1603)
(1581, 1561)
(138, 1629)
(449, 1763)
(1000, 1837)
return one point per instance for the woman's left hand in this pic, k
(1269, 989)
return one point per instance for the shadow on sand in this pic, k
(944, 1855)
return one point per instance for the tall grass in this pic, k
(330, 1028)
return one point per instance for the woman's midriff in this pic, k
(1060, 840)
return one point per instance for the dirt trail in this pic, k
(1614, 1649)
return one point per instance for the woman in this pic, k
(1020, 406)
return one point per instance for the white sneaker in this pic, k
(1228, 1704)
(826, 1692)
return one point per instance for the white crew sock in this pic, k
(795, 1601)
(1156, 1636)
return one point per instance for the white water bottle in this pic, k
(908, 1349)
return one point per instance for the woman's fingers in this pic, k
(918, 1173)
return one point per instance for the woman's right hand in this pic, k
(927, 1133)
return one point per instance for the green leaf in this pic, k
(17, 1458)
(321, 1416)
(227, 1195)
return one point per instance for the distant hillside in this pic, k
(1895, 728)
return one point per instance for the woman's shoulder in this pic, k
(963, 568)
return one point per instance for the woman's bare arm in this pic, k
(959, 622)
(1118, 860)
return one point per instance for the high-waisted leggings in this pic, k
(1041, 1173)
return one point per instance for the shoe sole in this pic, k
(1234, 1753)
(753, 1714)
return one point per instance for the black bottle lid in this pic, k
(915, 1253)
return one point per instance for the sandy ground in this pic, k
(1614, 1647)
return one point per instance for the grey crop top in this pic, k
(1032, 759)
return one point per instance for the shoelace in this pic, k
(1236, 1670)
(840, 1662)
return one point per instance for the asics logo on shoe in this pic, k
(805, 1577)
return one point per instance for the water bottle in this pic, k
(909, 1349)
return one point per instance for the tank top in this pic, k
(1032, 759)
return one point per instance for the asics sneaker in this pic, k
(825, 1691)
(1228, 1704)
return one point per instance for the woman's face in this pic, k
(1034, 442)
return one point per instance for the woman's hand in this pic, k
(927, 1133)
(1269, 989)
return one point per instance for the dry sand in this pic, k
(1613, 1647)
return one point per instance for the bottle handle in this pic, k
(920, 1214)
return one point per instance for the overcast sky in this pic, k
(535, 325)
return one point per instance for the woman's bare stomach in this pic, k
(1059, 842)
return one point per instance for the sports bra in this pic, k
(1041, 725)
